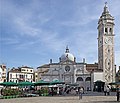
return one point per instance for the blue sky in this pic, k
(34, 31)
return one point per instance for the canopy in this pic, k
(8, 84)
(99, 82)
(114, 83)
(56, 82)
(117, 83)
(41, 82)
(25, 83)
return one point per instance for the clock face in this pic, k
(108, 40)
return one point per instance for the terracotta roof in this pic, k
(26, 67)
(44, 66)
(15, 70)
(44, 71)
(92, 67)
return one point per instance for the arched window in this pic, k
(88, 79)
(106, 30)
(110, 30)
(79, 79)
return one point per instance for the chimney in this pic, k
(60, 59)
(50, 61)
(74, 59)
(115, 69)
(83, 60)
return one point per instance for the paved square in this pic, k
(62, 99)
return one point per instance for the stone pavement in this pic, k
(62, 99)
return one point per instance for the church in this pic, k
(81, 73)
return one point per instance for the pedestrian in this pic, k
(108, 90)
(52, 91)
(2, 91)
(105, 90)
(80, 91)
(118, 93)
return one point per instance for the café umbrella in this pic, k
(117, 83)
(41, 82)
(114, 83)
(25, 83)
(56, 82)
(8, 84)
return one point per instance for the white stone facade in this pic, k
(66, 70)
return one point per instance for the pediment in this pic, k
(67, 62)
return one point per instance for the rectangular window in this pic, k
(10, 75)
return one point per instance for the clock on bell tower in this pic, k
(106, 45)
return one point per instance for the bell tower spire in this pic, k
(106, 8)
(106, 45)
(67, 49)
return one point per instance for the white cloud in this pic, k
(26, 29)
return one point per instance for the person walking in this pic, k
(105, 90)
(80, 92)
(118, 93)
(108, 90)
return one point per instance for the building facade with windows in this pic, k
(19, 74)
(2, 73)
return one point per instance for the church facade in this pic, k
(67, 70)
(81, 73)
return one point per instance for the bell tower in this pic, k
(106, 45)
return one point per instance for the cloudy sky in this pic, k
(34, 31)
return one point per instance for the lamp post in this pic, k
(90, 82)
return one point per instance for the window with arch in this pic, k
(79, 79)
(106, 30)
(88, 79)
(110, 30)
(10, 75)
